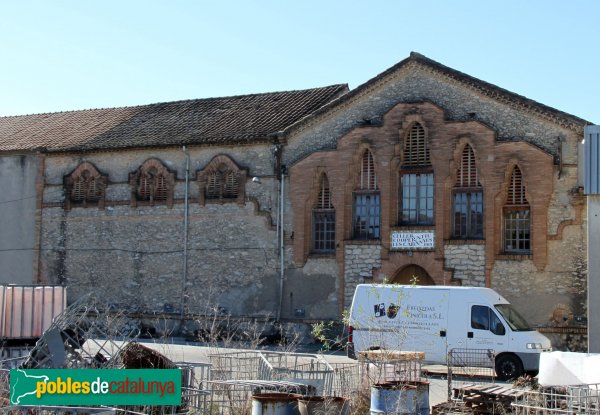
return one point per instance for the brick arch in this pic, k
(313, 197)
(406, 274)
(503, 193)
(404, 133)
(211, 168)
(424, 259)
(500, 201)
(163, 171)
(100, 181)
(456, 161)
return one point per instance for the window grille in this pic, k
(145, 187)
(324, 220)
(368, 180)
(468, 199)
(323, 230)
(222, 184)
(161, 188)
(324, 201)
(78, 192)
(231, 185)
(467, 172)
(213, 186)
(417, 199)
(367, 208)
(85, 189)
(416, 148)
(516, 190)
(517, 216)
(222, 181)
(468, 215)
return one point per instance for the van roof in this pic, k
(488, 292)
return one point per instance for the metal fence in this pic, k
(468, 366)
(560, 400)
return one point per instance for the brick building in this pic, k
(421, 174)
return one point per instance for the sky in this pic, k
(59, 55)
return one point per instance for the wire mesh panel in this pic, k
(346, 379)
(468, 366)
(86, 334)
(380, 366)
(306, 368)
(239, 366)
(560, 400)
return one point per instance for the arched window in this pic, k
(324, 219)
(85, 187)
(468, 199)
(152, 184)
(222, 181)
(416, 148)
(222, 184)
(517, 216)
(416, 177)
(367, 201)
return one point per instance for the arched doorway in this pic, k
(412, 274)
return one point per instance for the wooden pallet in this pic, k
(487, 399)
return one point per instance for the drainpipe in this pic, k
(281, 245)
(185, 234)
(280, 174)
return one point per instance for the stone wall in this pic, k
(134, 257)
(538, 293)
(360, 261)
(414, 83)
(467, 262)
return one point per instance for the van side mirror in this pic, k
(500, 330)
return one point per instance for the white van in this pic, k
(437, 319)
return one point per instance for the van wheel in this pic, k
(508, 366)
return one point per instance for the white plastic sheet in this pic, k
(569, 368)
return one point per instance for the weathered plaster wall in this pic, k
(17, 218)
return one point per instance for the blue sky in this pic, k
(69, 55)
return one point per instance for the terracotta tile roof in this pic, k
(523, 103)
(230, 120)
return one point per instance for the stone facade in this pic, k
(467, 262)
(361, 262)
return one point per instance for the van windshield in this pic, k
(513, 318)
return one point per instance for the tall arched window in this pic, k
(367, 201)
(152, 184)
(85, 187)
(517, 216)
(416, 178)
(468, 199)
(324, 219)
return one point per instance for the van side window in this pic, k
(496, 325)
(480, 317)
(483, 318)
